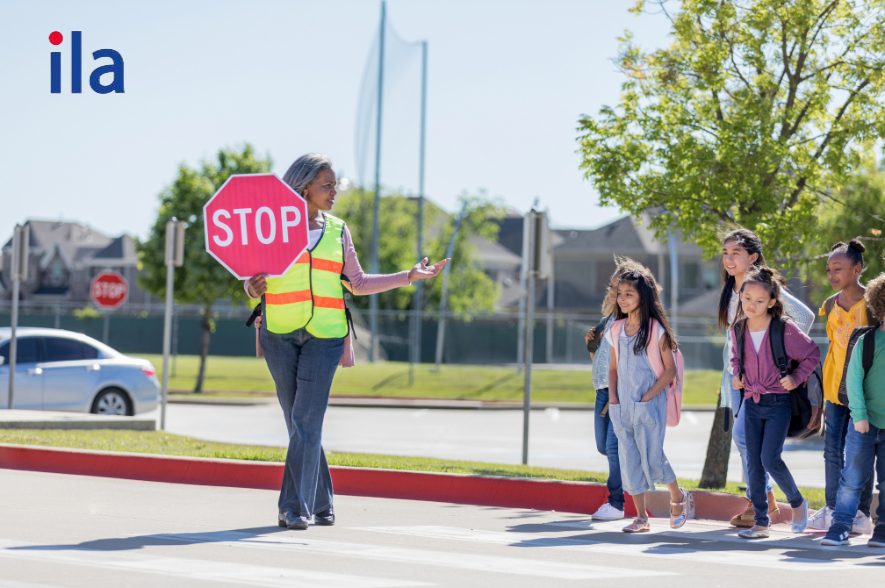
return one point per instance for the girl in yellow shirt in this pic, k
(844, 312)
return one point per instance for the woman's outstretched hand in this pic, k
(422, 271)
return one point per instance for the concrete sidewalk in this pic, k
(111, 532)
(47, 419)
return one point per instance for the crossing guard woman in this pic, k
(305, 335)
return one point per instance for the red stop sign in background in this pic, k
(255, 224)
(109, 290)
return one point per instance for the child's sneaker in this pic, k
(755, 532)
(800, 517)
(607, 512)
(863, 525)
(837, 535)
(821, 520)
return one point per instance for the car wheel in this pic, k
(112, 401)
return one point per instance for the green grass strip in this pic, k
(247, 377)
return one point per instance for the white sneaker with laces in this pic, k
(607, 512)
(862, 525)
(821, 520)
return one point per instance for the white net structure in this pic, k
(400, 80)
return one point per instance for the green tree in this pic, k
(470, 290)
(857, 210)
(754, 111)
(201, 280)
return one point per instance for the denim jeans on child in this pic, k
(607, 445)
(766, 425)
(739, 435)
(861, 450)
(838, 423)
(302, 368)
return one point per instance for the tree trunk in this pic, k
(718, 449)
(205, 334)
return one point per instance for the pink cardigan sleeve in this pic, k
(362, 283)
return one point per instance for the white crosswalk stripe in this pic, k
(197, 569)
(695, 544)
(522, 566)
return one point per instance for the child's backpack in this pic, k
(653, 351)
(806, 397)
(869, 348)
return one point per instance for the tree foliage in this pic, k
(470, 290)
(201, 280)
(858, 210)
(754, 112)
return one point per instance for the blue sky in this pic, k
(507, 83)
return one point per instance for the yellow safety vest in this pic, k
(310, 295)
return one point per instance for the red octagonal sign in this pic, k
(109, 290)
(255, 224)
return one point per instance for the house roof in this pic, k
(76, 244)
(119, 249)
(624, 236)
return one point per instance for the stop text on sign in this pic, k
(108, 290)
(264, 220)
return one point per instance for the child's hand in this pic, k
(646, 397)
(737, 383)
(589, 335)
(788, 383)
(862, 426)
(258, 322)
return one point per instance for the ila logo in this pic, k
(114, 69)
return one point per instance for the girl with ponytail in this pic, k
(742, 252)
(844, 311)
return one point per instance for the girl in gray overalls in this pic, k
(637, 396)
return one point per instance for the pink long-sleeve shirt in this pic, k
(761, 375)
(362, 284)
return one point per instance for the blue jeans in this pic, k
(607, 445)
(838, 422)
(766, 427)
(739, 436)
(861, 451)
(302, 368)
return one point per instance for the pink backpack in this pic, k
(653, 350)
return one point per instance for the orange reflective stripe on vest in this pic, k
(327, 265)
(287, 297)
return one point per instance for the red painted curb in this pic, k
(576, 497)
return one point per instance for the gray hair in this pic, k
(305, 170)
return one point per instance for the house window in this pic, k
(56, 275)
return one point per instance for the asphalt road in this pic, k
(58, 530)
(558, 438)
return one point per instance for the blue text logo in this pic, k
(104, 79)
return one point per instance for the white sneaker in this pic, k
(862, 524)
(821, 520)
(607, 512)
(800, 517)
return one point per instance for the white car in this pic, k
(63, 370)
